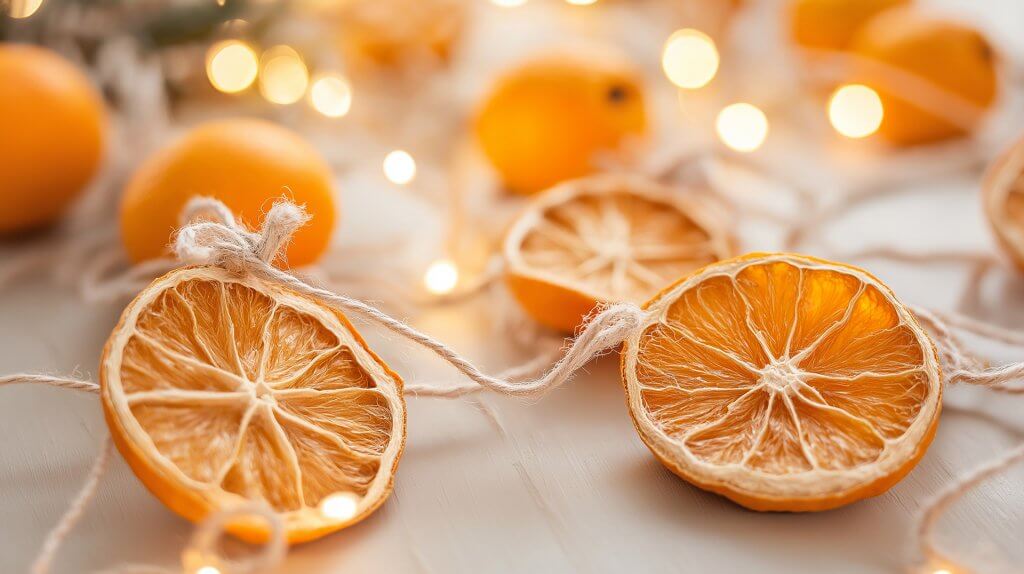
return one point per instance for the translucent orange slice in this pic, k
(220, 390)
(783, 382)
(606, 239)
(1003, 196)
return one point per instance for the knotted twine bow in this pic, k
(215, 238)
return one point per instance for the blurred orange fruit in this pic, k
(947, 57)
(393, 33)
(220, 389)
(831, 24)
(605, 239)
(552, 118)
(783, 382)
(246, 164)
(52, 132)
(1002, 194)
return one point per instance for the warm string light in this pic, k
(208, 570)
(441, 277)
(23, 8)
(508, 3)
(399, 167)
(742, 127)
(331, 95)
(581, 2)
(339, 506)
(231, 66)
(690, 59)
(283, 75)
(855, 111)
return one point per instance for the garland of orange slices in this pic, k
(780, 381)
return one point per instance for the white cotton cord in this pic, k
(934, 509)
(530, 368)
(203, 548)
(74, 513)
(63, 382)
(228, 245)
(961, 366)
(982, 329)
(97, 285)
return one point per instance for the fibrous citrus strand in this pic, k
(620, 246)
(782, 369)
(254, 397)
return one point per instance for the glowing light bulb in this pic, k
(942, 571)
(581, 2)
(283, 75)
(399, 167)
(331, 95)
(855, 111)
(689, 59)
(339, 506)
(508, 3)
(208, 570)
(24, 8)
(441, 277)
(742, 127)
(231, 66)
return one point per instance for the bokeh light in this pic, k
(231, 66)
(581, 2)
(339, 506)
(441, 277)
(331, 95)
(283, 75)
(743, 127)
(690, 59)
(399, 167)
(508, 3)
(208, 570)
(855, 111)
(23, 8)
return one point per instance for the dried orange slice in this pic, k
(606, 239)
(220, 390)
(1003, 195)
(783, 382)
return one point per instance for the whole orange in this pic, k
(831, 24)
(245, 163)
(552, 118)
(52, 131)
(949, 60)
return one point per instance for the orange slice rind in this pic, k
(610, 238)
(221, 390)
(1003, 197)
(783, 382)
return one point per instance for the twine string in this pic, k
(937, 507)
(202, 548)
